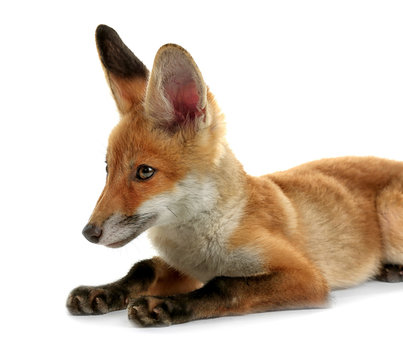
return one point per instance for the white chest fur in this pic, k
(196, 241)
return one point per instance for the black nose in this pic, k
(92, 233)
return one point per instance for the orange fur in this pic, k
(259, 243)
(331, 215)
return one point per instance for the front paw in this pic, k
(88, 300)
(158, 311)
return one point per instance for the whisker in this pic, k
(171, 211)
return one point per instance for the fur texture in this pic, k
(229, 243)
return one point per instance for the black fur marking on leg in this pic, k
(219, 287)
(94, 300)
(391, 273)
(141, 275)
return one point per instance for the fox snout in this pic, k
(117, 230)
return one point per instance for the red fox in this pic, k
(229, 243)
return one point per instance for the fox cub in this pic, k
(229, 243)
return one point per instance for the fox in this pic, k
(228, 243)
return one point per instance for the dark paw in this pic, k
(157, 311)
(87, 300)
(391, 273)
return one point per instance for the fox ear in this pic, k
(125, 73)
(176, 95)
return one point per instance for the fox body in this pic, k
(229, 243)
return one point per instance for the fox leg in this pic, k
(282, 289)
(147, 277)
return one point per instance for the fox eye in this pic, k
(144, 172)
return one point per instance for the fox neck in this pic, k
(216, 190)
(204, 219)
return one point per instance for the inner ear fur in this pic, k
(126, 74)
(176, 95)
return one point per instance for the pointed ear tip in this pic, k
(104, 31)
(101, 29)
(173, 48)
(173, 52)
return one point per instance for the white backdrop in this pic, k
(298, 80)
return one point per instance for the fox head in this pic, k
(168, 139)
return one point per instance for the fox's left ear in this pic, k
(176, 96)
(125, 73)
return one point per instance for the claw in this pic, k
(87, 300)
(101, 306)
(157, 311)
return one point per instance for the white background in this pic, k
(298, 80)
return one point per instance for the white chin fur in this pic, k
(120, 228)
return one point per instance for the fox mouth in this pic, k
(118, 244)
(119, 230)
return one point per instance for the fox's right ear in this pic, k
(126, 74)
